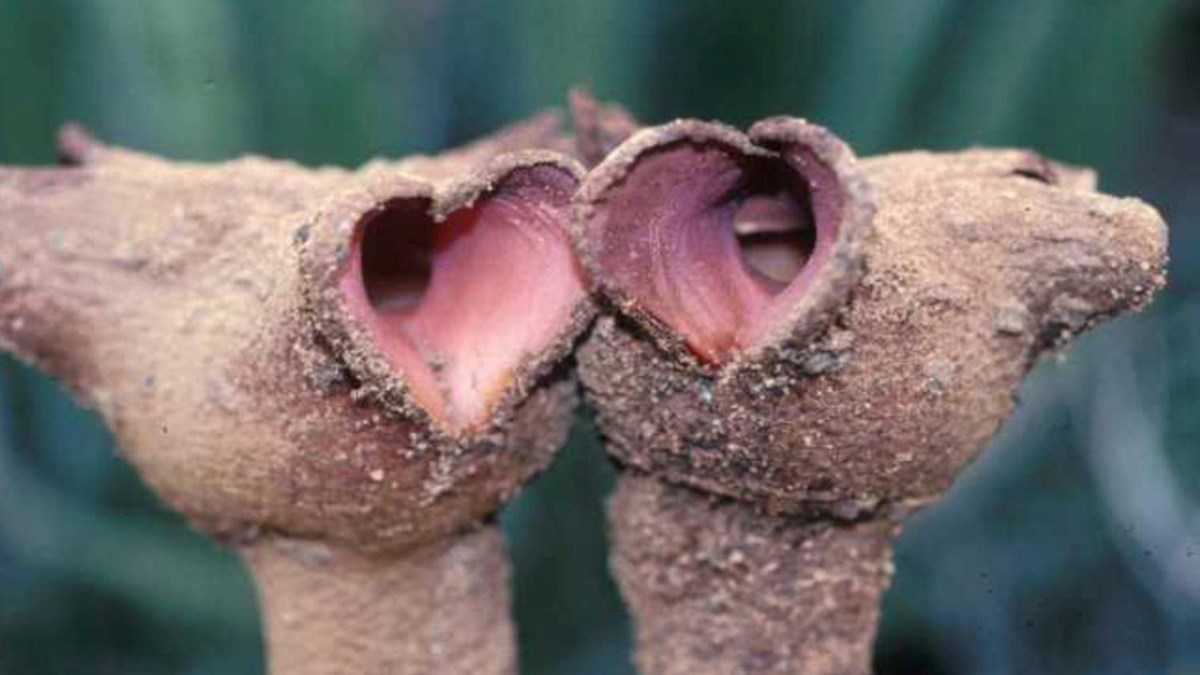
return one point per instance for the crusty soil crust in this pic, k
(717, 587)
(196, 307)
(895, 371)
(974, 264)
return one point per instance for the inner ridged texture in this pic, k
(716, 243)
(458, 305)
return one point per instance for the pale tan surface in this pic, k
(718, 588)
(196, 308)
(971, 270)
(439, 609)
(804, 451)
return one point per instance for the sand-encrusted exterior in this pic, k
(716, 586)
(972, 269)
(896, 373)
(196, 307)
(769, 447)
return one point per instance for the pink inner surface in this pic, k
(713, 243)
(457, 306)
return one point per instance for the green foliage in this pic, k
(1070, 547)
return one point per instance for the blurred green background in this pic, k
(1072, 546)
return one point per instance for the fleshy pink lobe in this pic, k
(712, 241)
(457, 306)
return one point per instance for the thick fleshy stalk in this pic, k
(829, 380)
(276, 350)
(442, 608)
(715, 586)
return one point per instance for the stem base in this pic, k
(714, 586)
(443, 608)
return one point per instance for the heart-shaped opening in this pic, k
(714, 239)
(458, 306)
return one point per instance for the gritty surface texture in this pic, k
(440, 609)
(892, 371)
(196, 307)
(977, 262)
(716, 587)
(597, 128)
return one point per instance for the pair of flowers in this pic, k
(341, 372)
(823, 340)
